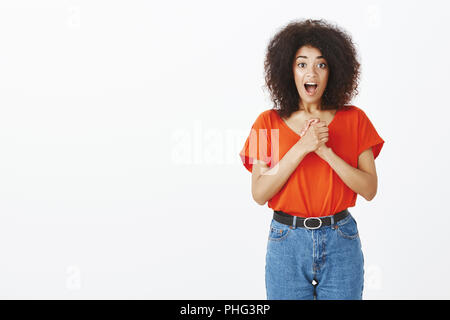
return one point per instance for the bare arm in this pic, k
(267, 182)
(362, 180)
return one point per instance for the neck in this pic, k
(310, 108)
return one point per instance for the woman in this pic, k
(310, 155)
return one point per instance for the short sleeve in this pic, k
(368, 135)
(257, 145)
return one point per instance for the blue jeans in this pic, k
(331, 256)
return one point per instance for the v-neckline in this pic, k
(291, 130)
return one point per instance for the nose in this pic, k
(311, 72)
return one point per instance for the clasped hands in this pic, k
(322, 150)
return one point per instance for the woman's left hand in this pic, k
(323, 151)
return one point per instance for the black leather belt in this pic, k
(311, 222)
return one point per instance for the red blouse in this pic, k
(314, 189)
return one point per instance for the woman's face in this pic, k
(310, 67)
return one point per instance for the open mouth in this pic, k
(311, 88)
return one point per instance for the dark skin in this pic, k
(311, 67)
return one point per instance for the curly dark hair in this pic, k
(337, 48)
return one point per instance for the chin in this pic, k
(312, 99)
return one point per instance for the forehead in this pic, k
(310, 52)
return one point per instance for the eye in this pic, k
(324, 65)
(300, 64)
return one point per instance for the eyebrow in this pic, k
(318, 57)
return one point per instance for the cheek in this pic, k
(298, 77)
(325, 80)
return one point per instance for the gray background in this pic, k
(120, 128)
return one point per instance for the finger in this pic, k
(317, 124)
(303, 132)
(309, 123)
(307, 126)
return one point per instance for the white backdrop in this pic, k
(120, 128)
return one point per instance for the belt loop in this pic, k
(332, 221)
(294, 223)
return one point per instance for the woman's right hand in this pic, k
(316, 134)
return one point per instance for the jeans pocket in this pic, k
(347, 228)
(278, 231)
